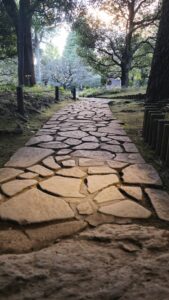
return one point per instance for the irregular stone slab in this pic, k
(134, 158)
(98, 182)
(87, 146)
(112, 148)
(73, 142)
(8, 173)
(72, 172)
(77, 134)
(34, 206)
(16, 186)
(133, 191)
(126, 209)
(85, 162)
(42, 171)
(14, 241)
(65, 187)
(50, 163)
(141, 174)
(97, 134)
(101, 170)
(1, 197)
(69, 163)
(130, 147)
(97, 219)
(116, 164)
(101, 155)
(90, 139)
(53, 145)
(28, 175)
(42, 236)
(120, 138)
(160, 202)
(39, 139)
(64, 151)
(63, 157)
(28, 156)
(60, 138)
(84, 208)
(109, 194)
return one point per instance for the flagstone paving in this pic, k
(81, 169)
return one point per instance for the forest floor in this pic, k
(15, 131)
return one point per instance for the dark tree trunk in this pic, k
(124, 75)
(158, 84)
(29, 73)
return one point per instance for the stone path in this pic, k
(80, 170)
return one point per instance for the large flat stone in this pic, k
(63, 186)
(85, 208)
(98, 182)
(90, 139)
(101, 170)
(133, 158)
(120, 138)
(72, 172)
(8, 173)
(130, 147)
(77, 134)
(141, 174)
(160, 202)
(86, 146)
(42, 171)
(28, 156)
(109, 194)
(28, 175)
(34, 206)
(39, 139)
(85, 162)
(16, 186)
(69, 163)
(126, 209)
(103, 155)
(112, 148)
(54, 145)
(73, 142)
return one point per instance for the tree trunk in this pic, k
(29, 73)
(158, 84)
(124, 76)
(38, 58)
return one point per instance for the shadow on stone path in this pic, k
(80, 171)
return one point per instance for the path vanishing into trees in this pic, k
(85, 214)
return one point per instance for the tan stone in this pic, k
(28, 156)
(14, 241)
(101, 170)
(44, 235)
(84, 208)
(65, 187)
(109, 194)
(8, 173)
(126, 209)
(86, 162)
(160, 202)
(28, 175)
(98, 219)
(35, 206)
(133, 191)
(69, 163)
(141, 174)
(98, 182)
(64, 157)
(72, 172)
(42, 171)
(50, 163)
(117, 164)
(16, 186)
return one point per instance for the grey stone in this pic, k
(87, 146)
(116, 164)
(53, 145)
(28, 156)
(130, 147)
(133, 158)
(77, 134)
(160, 202)
(141, 174)
(39, 139)
(112, 148)
(73, 142)
(98, 155)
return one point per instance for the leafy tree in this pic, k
(158, 85)
(115, 48)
